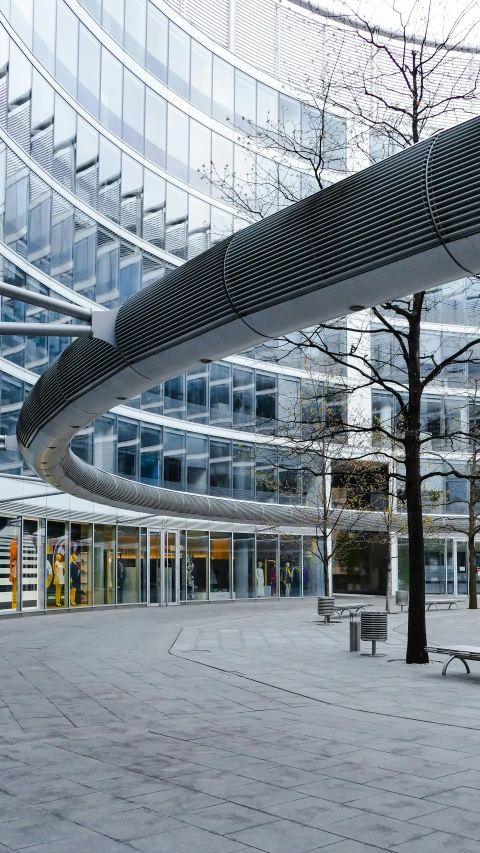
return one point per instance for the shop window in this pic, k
(104, 564)
(81, 565)
(9, 569)
(266, 571)
(197, 565)
(313, 577)
(244, 565)
(56, 566)
(128, 565)
(220, 565)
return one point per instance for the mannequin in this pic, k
(120, 579)
(13, 570)
(288, 580)
(260, 580)
(75, 573)
(48, 573)
(59, 578)
(190, 578)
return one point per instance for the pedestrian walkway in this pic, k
(233, 728)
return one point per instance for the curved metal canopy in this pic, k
(409, 223)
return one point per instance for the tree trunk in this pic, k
(472, 554)
(417, 627)
(389, 570)
(325, 561)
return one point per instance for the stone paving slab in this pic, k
(233, 728)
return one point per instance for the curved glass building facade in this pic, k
(114, 116)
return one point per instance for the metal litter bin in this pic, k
(326, 606)
(354, 635)
(401, 598)
(374, 628)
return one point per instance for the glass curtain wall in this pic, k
(128, 565)
(290, 566)
(244, 582)
(220, 565)
(56, 566)
(313, 580)
(81, 565)
(267, 562)
(197, 565)
(104, 554)
(9, 538)
(32, 554)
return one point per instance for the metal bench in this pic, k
(462, 653)
(351, 609)
(434, 602)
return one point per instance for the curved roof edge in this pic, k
(403, 223)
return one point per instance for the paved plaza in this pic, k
(231, 728)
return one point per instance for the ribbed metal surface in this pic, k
(357, 225)
(188, 301)
(326, 605)
(44, 402)
(453, 174)
(374, 626)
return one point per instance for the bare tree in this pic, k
(403, 87)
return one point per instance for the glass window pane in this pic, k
(104, 581)
(132, 195)
(197, 565)
(155, 128)
(200, 156)
(21, 19)
(89, 72)
(32, 563)
(201, 87)
(267, 106)
(154, 210)
(81, 565)
(173, 459)
(312, 571)
(245, 109)
(87, 162)
(177, 221)
(44, 35)
(135, 28)
(133, 110)
(198, 227)
(290, 566)
(177, 158)
(267, 556)
(112, 19)
(220, 565)
(128, 565)
(179, 61)
(56, 568)
(42, 122)
(222, 167)
(151, 455)
(197, 464)
(222, 108)
(157, 42)
(243, 467)
(111, 99)
(109, 179)
(67, 48)
(94, 8)
(64, 143)
(104, 450)
(244, 565)
(9, 534)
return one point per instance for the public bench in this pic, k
(352, 609)
(462, 653)
(434, 602)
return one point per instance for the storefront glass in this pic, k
(128, 565)
(155, 566)
(197, 565)
(267, 561)
(290, 566)
(32, 553)
(312, 569)
(9, 536)
(183, 564)
(170, 568)
(244, 565)
(462, 568)
(81, 561)
(56, 568)
(435, 567)
(220, 565)
(104, 564)
(360, 564)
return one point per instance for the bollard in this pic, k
(354, 635)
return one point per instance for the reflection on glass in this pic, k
(104, 564)
(170, 594)
(112, 20)
(9, 570)
(197, 565)
(67, 48)
(266, 568)
(222, 107)
(155, 566)
(135, 31)
(21, 19)
(290, 566)
(32, 554)
(81, 560)
(89, 71)
(111, 96)
(128, 565)
(197, 464)
(56, 569)
(244, 566)
(201, 75)
(179, 61)
(44, 35)
(220, 565)
(200, 156)
(155, 128)
(157, 42)
(133, 110)
(177, 158)
(312, 569)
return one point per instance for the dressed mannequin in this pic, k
(13, 570)
(58, 578)
(120, 579)
(190, 578)
(273, 578)
(288, 580)
(75, 574)
(260, 580)
(48, 573)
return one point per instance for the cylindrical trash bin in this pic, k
(374, 628)
(401, 598)
(326, 606)
(354, 635)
